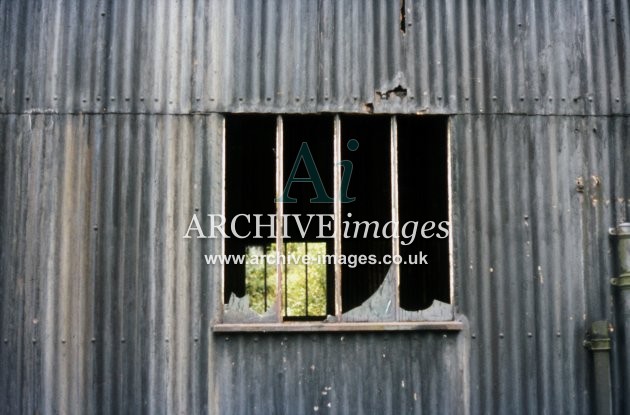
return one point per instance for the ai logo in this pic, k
(305, 156)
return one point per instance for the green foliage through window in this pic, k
(305, 283)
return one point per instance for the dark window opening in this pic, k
(317, 132)
(416, 173)
(250, 171)
(371, 186)
(250, 188)
(423, 197)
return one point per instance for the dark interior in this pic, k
(317, 131)
(370, 184)
(423, 194)
(250, 177)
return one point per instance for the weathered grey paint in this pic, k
(533, 254)
(103, 307)
(110, 139)
(455, 56)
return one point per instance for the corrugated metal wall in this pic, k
(397, 373)
(103, 308)
(455, 56)
(109, 140)
(532, 253)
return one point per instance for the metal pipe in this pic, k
(622, 282)
(598, 341)
(624, 350)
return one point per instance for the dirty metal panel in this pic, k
(533, 198)
(102, 310)
(96, 291)
(341, 373)
(102, 307)
(453, 56)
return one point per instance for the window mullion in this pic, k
(337, 213)
(223, 202)
(279, 212)
(306, 279)
(395, 214)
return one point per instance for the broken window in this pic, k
(364, 199)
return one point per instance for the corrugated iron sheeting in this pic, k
(384, 373)
(104, 309)
(454, 56)
(533, 255)
(107, 196)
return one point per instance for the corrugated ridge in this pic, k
(533, 252)
(105, 307)
(407, 373)
(455, 56)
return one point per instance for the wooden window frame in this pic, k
(281, 325)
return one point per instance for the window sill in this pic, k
(302, 327)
